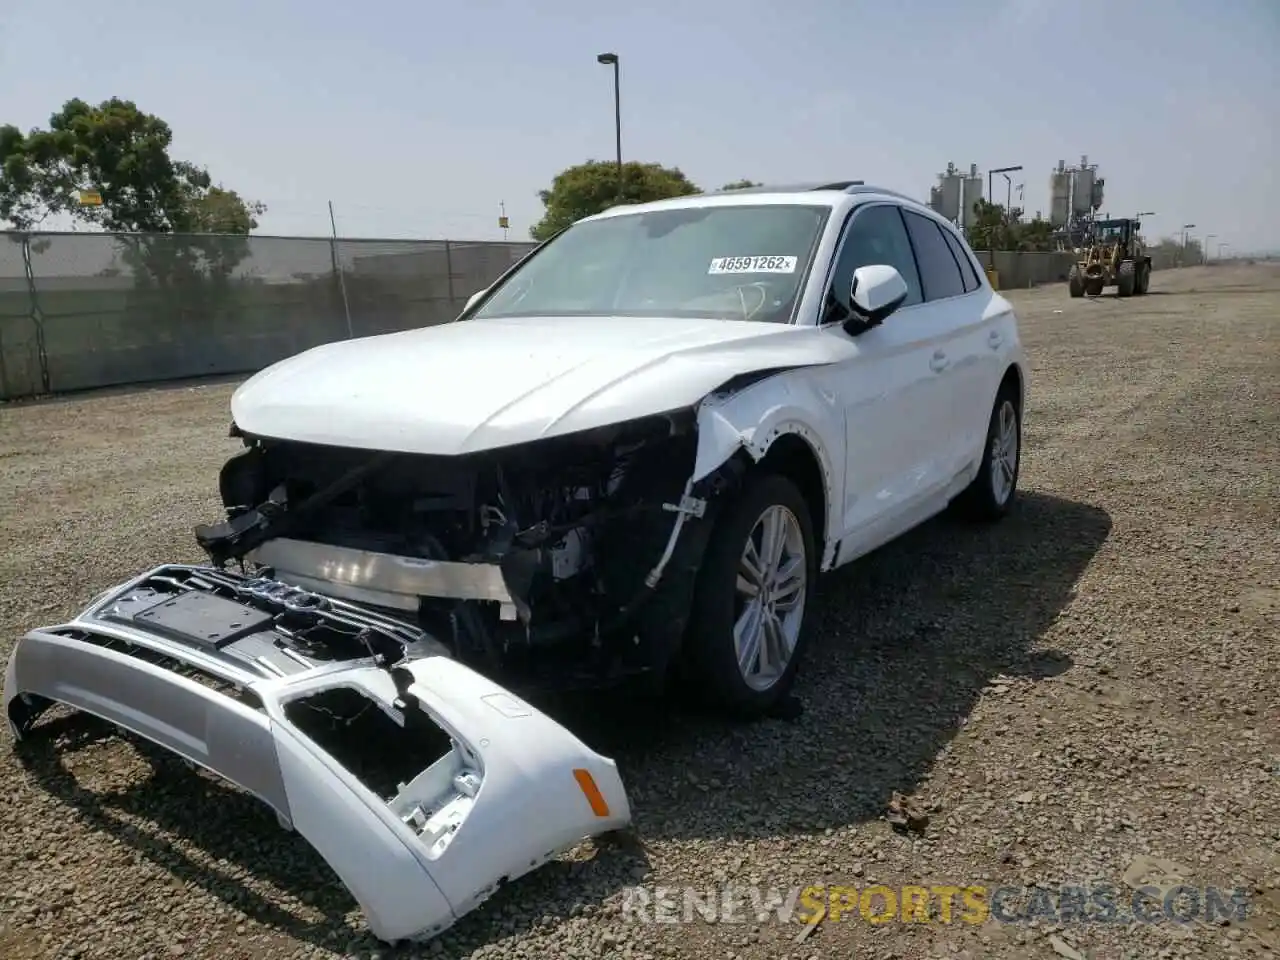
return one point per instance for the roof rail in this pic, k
(860, 187)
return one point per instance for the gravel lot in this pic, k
(1093, 681)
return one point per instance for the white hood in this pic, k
(479, 384)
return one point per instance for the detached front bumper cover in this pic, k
(214, 667)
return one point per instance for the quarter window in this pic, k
(939, 272)
(876, 236)
(967, 270)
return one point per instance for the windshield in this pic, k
(730, 262)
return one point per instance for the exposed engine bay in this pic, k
(537, 563)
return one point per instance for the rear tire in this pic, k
(993, 491)
(1144, 279)
(1075, 285)
(1126, 279)
(753, 606)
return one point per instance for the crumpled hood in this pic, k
(479, 384)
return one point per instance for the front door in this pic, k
(889, 390)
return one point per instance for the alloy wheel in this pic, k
(1004, 453)
(770, 595)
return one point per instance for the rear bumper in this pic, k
(160, 656)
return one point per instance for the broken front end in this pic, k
(352, 653)
(560, 563)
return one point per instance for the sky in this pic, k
(418, 119)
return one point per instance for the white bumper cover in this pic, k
(514, 789)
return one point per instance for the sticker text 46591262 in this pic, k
(753, 265)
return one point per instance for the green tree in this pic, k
(741, 185)
(988, 227)
(148, 197)
(1035, 234)
(122, 153)
(994, 227)
(591, 187)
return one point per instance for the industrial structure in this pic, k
(1075, 196)
(956, 193)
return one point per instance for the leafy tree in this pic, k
(990, 227)
(741, 185)
(994, 227)
(591, 187)
(1035, 234)
(123, 154)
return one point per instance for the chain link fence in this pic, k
(83, 310)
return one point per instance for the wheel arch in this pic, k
(793, 455)
(780, 424)
(1014, 381)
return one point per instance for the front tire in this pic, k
(1075, 283)
(993, 491)
(1126, 279)
(754, 598)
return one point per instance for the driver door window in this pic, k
(876, 235)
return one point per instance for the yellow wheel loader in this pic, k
(1114, 256)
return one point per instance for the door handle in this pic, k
(994, 339)
(939, 362)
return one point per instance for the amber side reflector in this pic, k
(589, 789)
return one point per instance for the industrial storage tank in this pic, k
(970, 192)
(949, 196)
(1082, 197)
(1097, 193)
(1060, 196)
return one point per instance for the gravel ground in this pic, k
(1089, 683)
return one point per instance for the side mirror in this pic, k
(877, 291)
(474, 298)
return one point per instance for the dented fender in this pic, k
(751, 419)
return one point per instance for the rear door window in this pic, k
(967, 270)
(939, 272)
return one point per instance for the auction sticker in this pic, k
(753, 265)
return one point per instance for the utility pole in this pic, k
(611, 59)
(337, 268)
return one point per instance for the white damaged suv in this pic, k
(636, 451)
(631, 457)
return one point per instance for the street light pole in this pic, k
(1004, 170)
(990, 199)
(611, 59)
(1185, 228)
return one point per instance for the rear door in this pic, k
(989, 337)
(955, 302)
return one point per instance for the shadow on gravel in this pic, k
(907, 640)
(271, 876)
